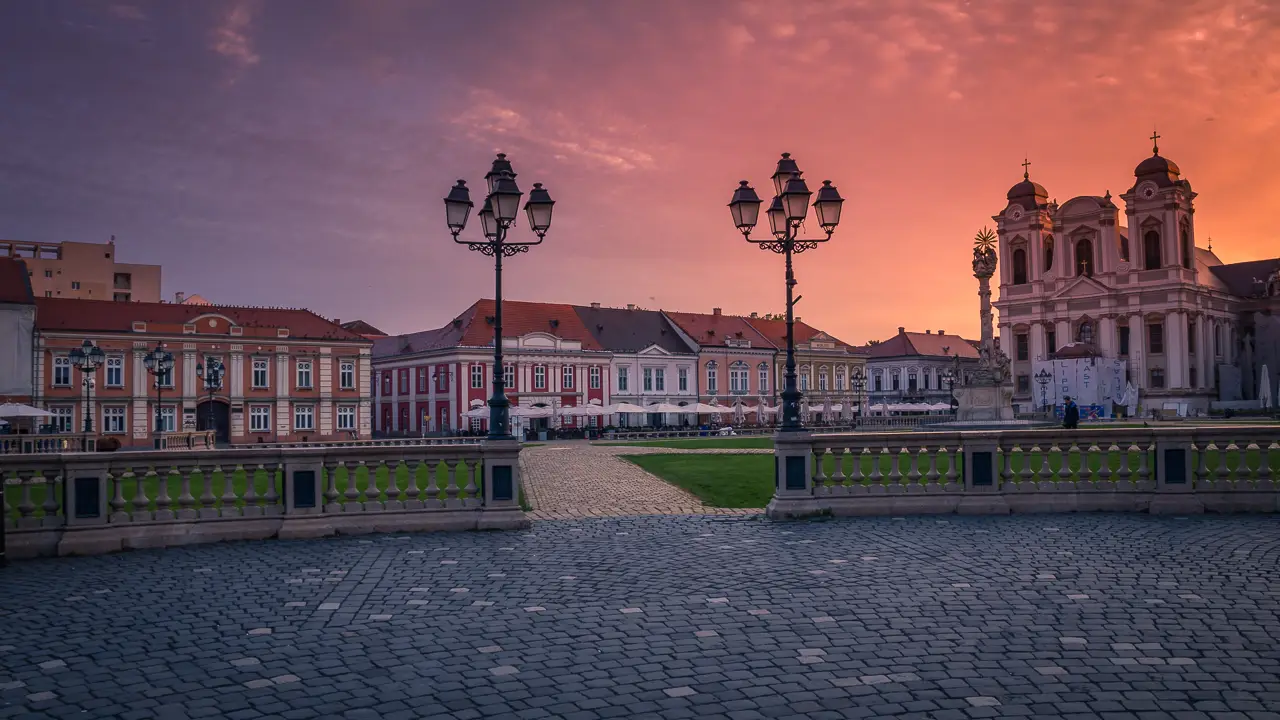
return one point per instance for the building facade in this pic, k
(1080, 285)
(825, 365)
(290, 375)
(17, 332)
(912, 367)
(425, 382)
(88, 271)
(735, 362)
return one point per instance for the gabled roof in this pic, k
(926, 344)
(361, 327)
(776, 332)
(1240, 277)
(715, 330)
(522, 318)
(73, 314)
(622, 330)
(15, 283)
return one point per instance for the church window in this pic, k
(893, 376)
(1191, 337)
(1051, 340)
(1024, 384)
(1194, 377)
(1157, 378)
(1084, 257)
(1151, 251)
(1186, 248)
(1217, 341)
(1048, 253)
(1022, 341)
(1155, 339)
(1085, 333)
(1124, 248)
(1124, 341)
(1019, 267)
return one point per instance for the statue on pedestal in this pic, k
(985, 393)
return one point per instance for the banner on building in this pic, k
(1094, 383)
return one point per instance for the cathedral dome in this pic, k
(1160, 170)
(1028, 193)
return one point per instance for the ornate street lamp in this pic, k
(949, 376)
(497, 215)
(211, 373)
(858, 382)
(87, 358)
(1044, 378)
(786, 214)
(159, 363)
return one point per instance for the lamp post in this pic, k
(159, 363)
(497, 216)
(211, 373)
(1044, 378)
(786, 214)
(858, 382)
(950, 377)
(87, 358)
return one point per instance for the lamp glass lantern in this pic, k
(500, 166)
(827, 206)
(457, 206)
(505, 199)
(795, 198)
(777, 218)
(745, 207)
(786, 168)
(538, 209)
(488, 223)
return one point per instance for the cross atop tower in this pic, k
(1155, 148)
(1026, 175)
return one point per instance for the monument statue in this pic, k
(984, 393)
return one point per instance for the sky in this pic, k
(296, 152)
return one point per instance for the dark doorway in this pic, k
(215, 415)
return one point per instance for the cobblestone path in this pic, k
(707, 618)
(574, 480)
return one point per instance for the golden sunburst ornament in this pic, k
(985, 239)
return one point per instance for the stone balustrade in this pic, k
(384, 442)
(186, 440)
(30, 444)
(88, 503)
(1175, 470)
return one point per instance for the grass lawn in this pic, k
(727, 481)
(752, 441)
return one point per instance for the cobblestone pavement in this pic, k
(665, 617)
(575, 480)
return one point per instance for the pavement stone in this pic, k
(952, 619)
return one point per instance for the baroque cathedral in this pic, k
(1126, 310)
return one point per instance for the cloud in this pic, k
(128, 12)
(233, 38)
(739, 37)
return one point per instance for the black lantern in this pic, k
(506, 199)
(745, 207)
(538, 209)
(827, 206)
(488, 223)
(795, 198)
(457, 206)
(778, 218)
(786, 168)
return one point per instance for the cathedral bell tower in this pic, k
(1025, 228)
(1160, 209)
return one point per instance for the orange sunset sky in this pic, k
(296, 153)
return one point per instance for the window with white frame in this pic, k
(911, 380)
(304, 417)
(660, 379)
(165, 379)
(682, 379)
(822, 380)
(594, 377)
(804, 379)
(168, 419)
(260, 418)
(304, 373)
(540, 377)
(115, 371)
(477, 376)
(623, 372)
(113, 420)
(61, 371)
(738, 378)
(839, 380)
(647, 374)
(566, 377)
(878, 381)
(764, 378)
(346, 417)
(62, 418)
(711, 377)
(261, 375)
(509, 376)
(925, 379)
(894, 380)
(347, 375)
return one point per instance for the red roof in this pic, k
(474, 328)
(776, 332)
(714, 330)
(15, 283)
(72, 314)
(913, 343)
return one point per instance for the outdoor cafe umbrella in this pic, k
(625, 407)
(668, 408)
(1264, 393)
(18, 410)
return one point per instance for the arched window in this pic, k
(822, 379)
(1048, 253)
(711, 377)
(1186, 248)
(1084, 257)
(1084, 333)
(1124, 248)
(1019, 267)
(1151, 250)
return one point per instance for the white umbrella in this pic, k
(18, 410)
(668, 408)
(705, 409)
(530, 412)
(625, 407)
(767, 410)
(583, 410)
(1264, 394)
(480, 412)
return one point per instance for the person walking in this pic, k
(1070, 414)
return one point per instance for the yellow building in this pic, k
(88, 271)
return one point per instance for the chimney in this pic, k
(631, 306)
(928, 332)
(715, 311)
(754, 315)
(337, 321)
(178, 297)
(902, 330)
(942, 332)
(595, 306)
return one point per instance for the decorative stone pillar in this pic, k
(793, 477)
(1175, 349)
(1138, 350)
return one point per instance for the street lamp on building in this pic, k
(858, 382)
(211, 373)
(159, 363)
(1044, 378)
(87, 358)
(497, 216)
(786, 214)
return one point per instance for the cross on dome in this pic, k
(1155, 148)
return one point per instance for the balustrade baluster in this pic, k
(855, 467)
(1064, 470)
(876, 478)
(1104, 463)
(472, 490)
(838, 477)
(117, 494)
(51, 494)
(331, 486)
(895, 473)
(931, 477)
(163, 501)
(371, 492)
(1044, 474)
(412, 490)
(186, 501)
(1264, 460)
(142, 503)
(432, 496)
(1025, 473)
(1144, 468)
(819, 473)
(229, 498)
(352, 494)
(271, 498)
(250, 484)
(207, 498)
(914, 475)
(451, 490)
(1124, 473)
(26, 506)
(953, 469)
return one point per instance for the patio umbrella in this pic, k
(705, 409)
(1264, 390)
(480, 412)
(668, 408)
(625, 407)
(18, 410)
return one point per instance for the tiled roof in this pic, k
(622, 330)
(71, 314)
(776, 332)
(1239, 277)
(427, 340)
(931, 344)
(521, 318)
(713, 330)
(15, 283)
(361, 327)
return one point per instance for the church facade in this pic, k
(1130, 297)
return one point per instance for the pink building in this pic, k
(735, 361)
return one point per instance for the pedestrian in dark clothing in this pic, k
(1071, 415)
